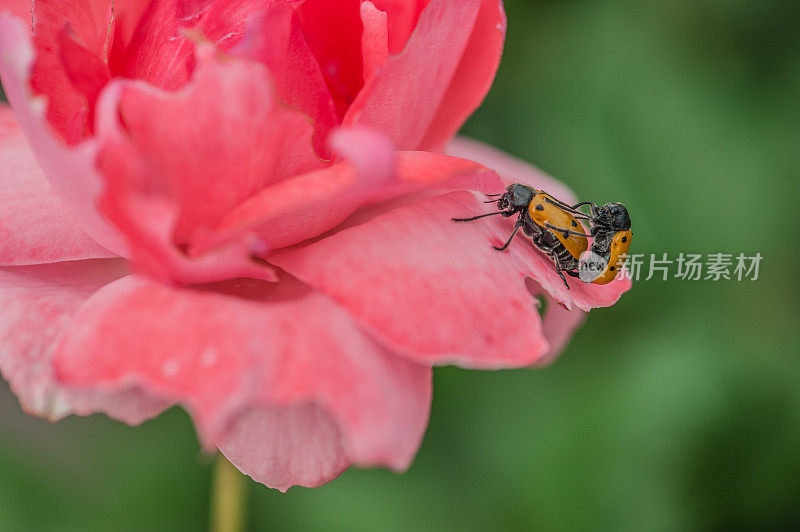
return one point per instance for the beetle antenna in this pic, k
(477, 217)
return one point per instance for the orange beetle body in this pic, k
(546, 212)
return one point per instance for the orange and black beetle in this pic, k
(550, 224)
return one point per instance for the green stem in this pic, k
(228, 498)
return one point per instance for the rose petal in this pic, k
(18, 8)
(71, 171)
(37, 306)
(413, 83)
(215, 143)
(258, 345)
(432, 289)
(160, 50)
(88, 23)
(474, 76)
(186, 174)
(275, 38)
(88, 74)
(297, 445)
(375, 40)
(460, 300)
(34, 225)
(403, 18)
(333, 32)
(311, 204)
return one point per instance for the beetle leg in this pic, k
(505, 214)
(550, 252)
(476, 217)
(517, 225)
(559, 272)
(573, 207)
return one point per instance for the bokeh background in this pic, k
(677, 409)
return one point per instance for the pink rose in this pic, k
(243, 207)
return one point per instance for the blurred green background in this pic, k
(677, 409)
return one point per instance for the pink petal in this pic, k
(471, 82)
(17, 8)
(127, 16)
(333, 31)
(160, 50)
(403, 18)
(401, 101)
(375, 40)
(432, 289)
(281, 447)
(71, 171)
(275, 38)
(244, 358)
(88, 22)
(172, 176)
(37, 306)
(34, 225)
(88, 74)
(311, 204)
(435, 290)
(215, 143)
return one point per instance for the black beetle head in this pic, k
(516, 198)
(615, 216)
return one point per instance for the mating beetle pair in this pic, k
(553, 227)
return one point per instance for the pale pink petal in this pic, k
(402, 99)
(375, 40)
(474, 77)
(432, 289)
(70, 171)
(37, 306)
(244, 346)
(275, 38)
(281, 447)
(311, 204)
(34, 225)
(436, 290)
